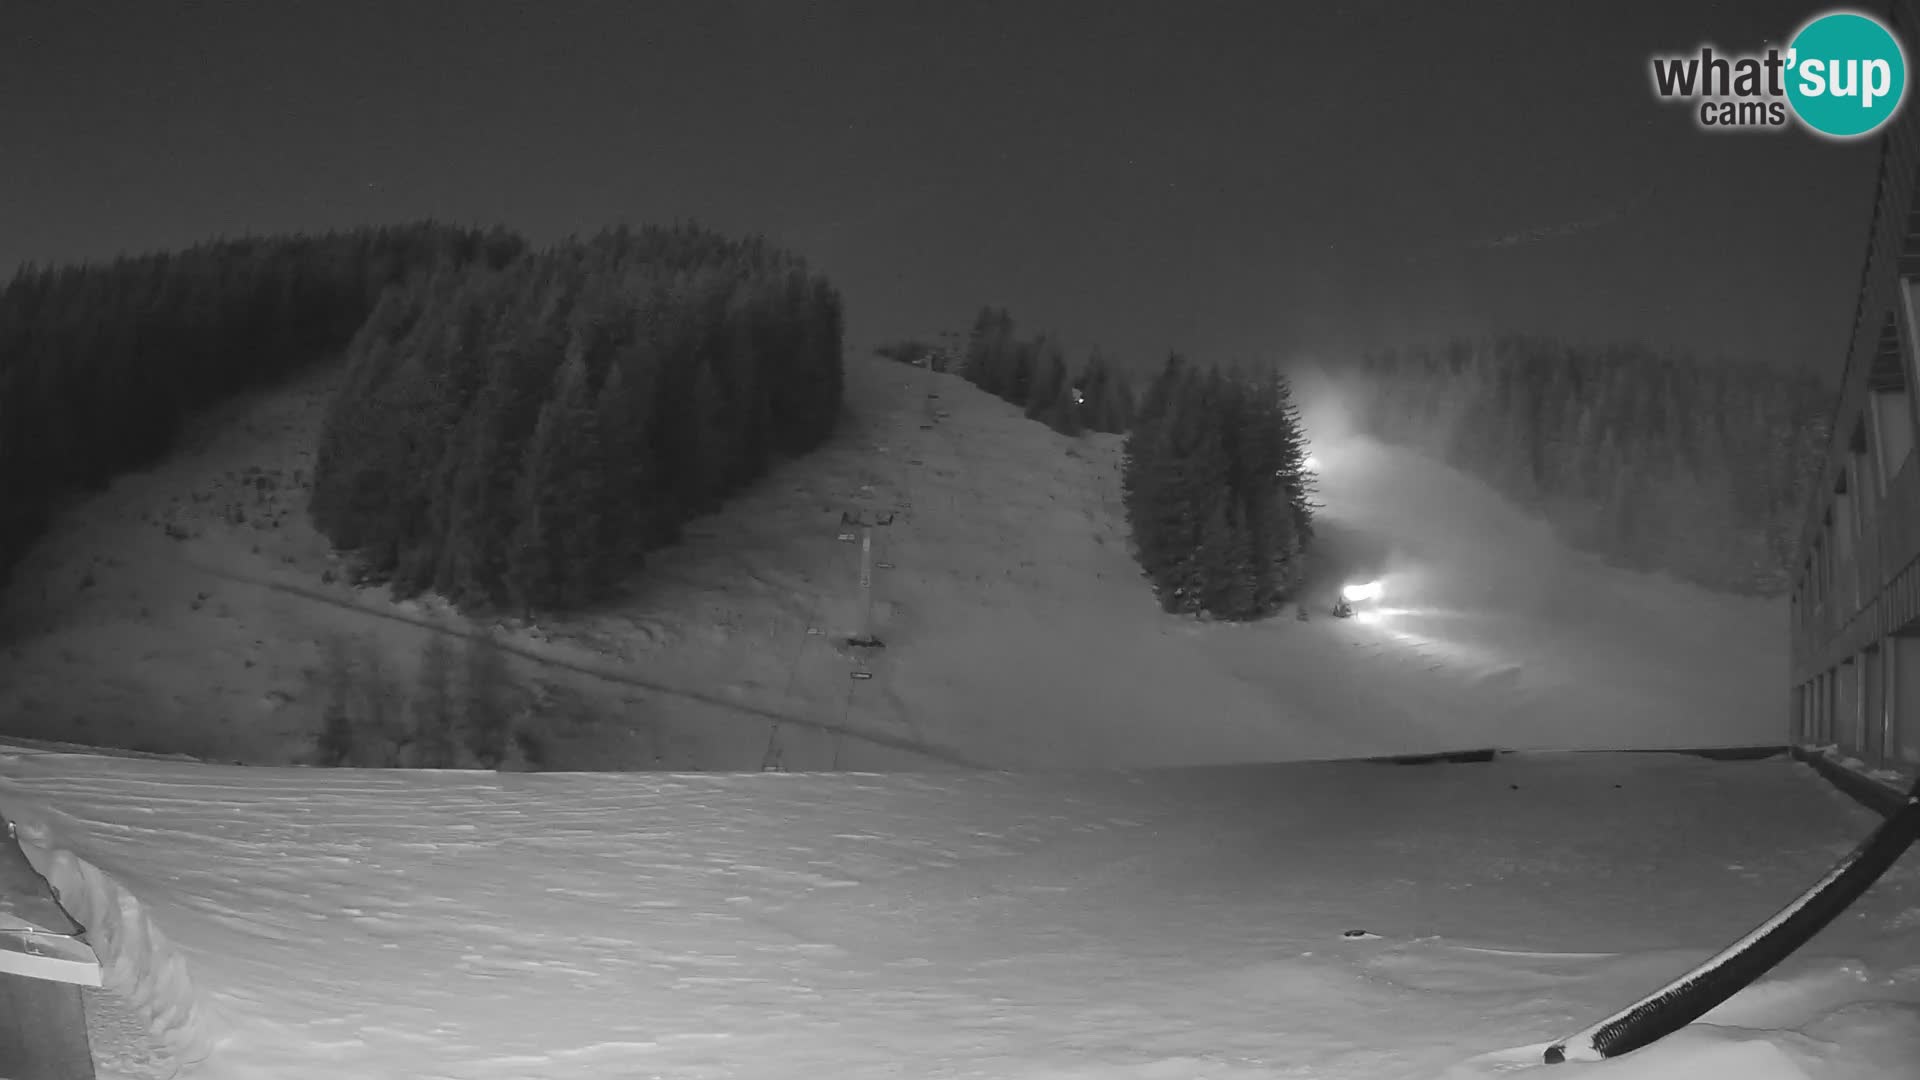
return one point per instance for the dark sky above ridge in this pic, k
(1240, 180)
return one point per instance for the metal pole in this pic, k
(866, 583)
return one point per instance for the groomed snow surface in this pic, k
(1159, 925)
(1141, 923)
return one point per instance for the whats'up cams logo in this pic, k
(1843, 75)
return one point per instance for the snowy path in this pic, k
(1165, 925)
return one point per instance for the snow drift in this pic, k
(137, 961)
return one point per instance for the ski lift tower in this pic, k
(865, 521)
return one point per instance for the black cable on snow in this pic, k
(1691, 996)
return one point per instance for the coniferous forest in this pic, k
(1216, 491)
(101, 363)
(1034, 374)
(518, 428)
(514, 428)
(522, 435)
(1656, 462)
(1213, 470)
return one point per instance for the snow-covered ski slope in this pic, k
(1018, 631)
(1149, 925)
(1492, 632)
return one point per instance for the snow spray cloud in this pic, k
(1843, 76)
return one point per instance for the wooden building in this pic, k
(1856, 594)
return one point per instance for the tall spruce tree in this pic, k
(562, 498)
(1049, 382)
(1214, 485)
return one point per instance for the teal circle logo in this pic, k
(1847, 75)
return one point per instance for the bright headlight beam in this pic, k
(1365, 591)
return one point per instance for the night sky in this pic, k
(1238, 180)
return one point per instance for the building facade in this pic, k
(1855, 606)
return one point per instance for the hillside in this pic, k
(1698, 468)
(193, 609)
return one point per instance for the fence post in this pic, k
(43, 964)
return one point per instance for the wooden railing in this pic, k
(1845, 621)
(1899, 532)
(1879, 281)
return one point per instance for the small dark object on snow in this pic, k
(1342, 609)
(1515, 787)
(1354, 933)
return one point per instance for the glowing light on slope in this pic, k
(1368, 590)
